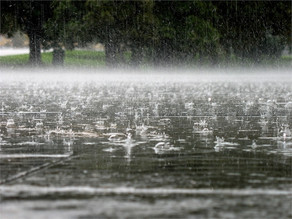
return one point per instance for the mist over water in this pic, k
(149, 75)
(146, 143)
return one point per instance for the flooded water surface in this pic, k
(146, 146)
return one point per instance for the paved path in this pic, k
(6, 51)
(13, 51)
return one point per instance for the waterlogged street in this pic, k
(145, 145)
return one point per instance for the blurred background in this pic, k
(146, 33)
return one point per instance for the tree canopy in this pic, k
(28, 17)
(154, 32)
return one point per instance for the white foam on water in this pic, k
(85, 190)
(29, 143)
(10, 156)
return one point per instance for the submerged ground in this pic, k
(162, 144)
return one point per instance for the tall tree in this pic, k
(28, 17)
(103, 22)
(139, 31)
(64, 29)
(121, 26)
(185, 31)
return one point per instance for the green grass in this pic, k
(84, 58)
(47, 58)
(72, 58)
(13, 60)
(287, 59)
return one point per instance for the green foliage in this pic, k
(25, 16)
(122, 26)
(185, 31)
(64, 28)
(156, 32)
(254, 30)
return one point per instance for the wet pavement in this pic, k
(120, 148)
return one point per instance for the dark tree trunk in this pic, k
(34, 48)
(58, 56)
